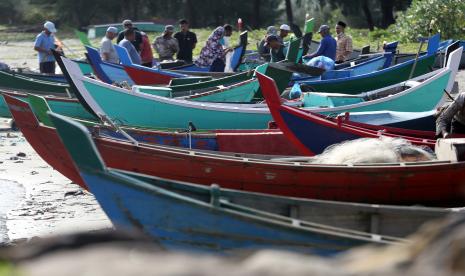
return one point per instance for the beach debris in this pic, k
(34, 173)
(14, 158)
(11, 135)
(21, 154)
(74, 193)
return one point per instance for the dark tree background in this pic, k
(204, 13)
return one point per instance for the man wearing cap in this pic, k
(107, 51)
(43, 43)
(276, 48)
(127, 24)
(166, 45)
(263, 50)
(344, 43)
(187, 41)
(327, 46)
(284, 30)
(129, 37)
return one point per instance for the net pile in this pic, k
(373, 150)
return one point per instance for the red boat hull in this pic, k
(429, 183)
(143, 77)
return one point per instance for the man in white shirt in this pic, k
(107, 51)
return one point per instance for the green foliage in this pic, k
(7, 269)
(445, 16)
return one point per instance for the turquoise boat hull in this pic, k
(67, 107)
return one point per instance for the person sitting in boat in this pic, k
(284, 30)
(327, 46)
(187, 41)
(129, 37)
(107, 50)
(452, 119)
(166, 45)
(276, 48)
(344, 43)
(137, 42)
(146, 54)
(263, 50)
(45, 41)
(212, 54)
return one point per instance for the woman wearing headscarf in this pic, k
(212, 54)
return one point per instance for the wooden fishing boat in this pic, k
(422, 121)
(172, 219)
(378, 79)
(438, 182)
(13, 81)
(267, 141)
(401, 97)
(143, 75)
(375, 219)
(38, 76)
(106, 71)
(403, 57)
(190, 84)
(312, 133)
(43, 138)
(367, 66)
(61, 105)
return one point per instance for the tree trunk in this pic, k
(367, 12)
(290, 16)
(387, 9)
(190, 13)
(256, 14)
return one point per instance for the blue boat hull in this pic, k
(180, 225)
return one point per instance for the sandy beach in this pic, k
(36, 200)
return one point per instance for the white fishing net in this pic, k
(373, 150)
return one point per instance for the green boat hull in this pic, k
(374, 81)
(211, 84)
(157, 112)
(425, 98)
(15, 82)
(85, 67)
(68, 108)
(153, 114)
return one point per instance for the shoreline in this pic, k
(49, 203)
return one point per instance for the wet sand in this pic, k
(38, 201)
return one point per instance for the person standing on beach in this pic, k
(187, 41)
(146, 53)
(344, 43)
(137, 42)
(107, 50)
(127, 42)
(166, 45)
(45, 41)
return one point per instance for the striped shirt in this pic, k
(344, 47)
